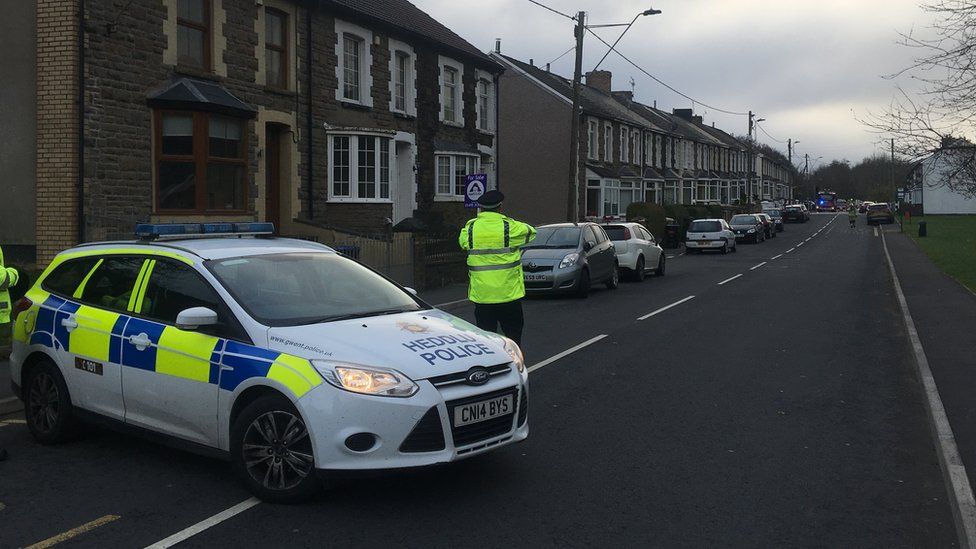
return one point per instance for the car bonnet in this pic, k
(419, 344)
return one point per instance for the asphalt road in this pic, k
(777, 409)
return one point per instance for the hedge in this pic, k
(648, 214)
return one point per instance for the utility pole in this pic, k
(789, 148)
(894, 189)
(750, 165)
(573, 209)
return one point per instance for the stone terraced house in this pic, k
(319, 115)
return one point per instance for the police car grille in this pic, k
(476, 432)
(523, 409)
(461, 377)
(427, 436)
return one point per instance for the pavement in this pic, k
(764, 398)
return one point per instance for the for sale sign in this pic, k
(475, 186)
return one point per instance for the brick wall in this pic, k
(57, 126)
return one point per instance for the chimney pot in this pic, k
(498, 45)
(531, 61)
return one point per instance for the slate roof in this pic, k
(408, 18)
(726, 138)
(187, 93)
(593, 101)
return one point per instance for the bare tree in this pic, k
(943, 115)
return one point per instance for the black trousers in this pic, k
(489, 315)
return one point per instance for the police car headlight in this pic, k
(367, 381)
(569, 260)
(515, 354)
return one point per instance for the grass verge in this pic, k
(950, 244)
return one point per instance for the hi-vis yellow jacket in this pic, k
(8, 277)
(494, 261)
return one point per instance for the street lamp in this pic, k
(650, 11)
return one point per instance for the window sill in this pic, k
(486, 132)
(448, 198)
(354, 105)
(453, 124)
(279, 91)
(350, 200)
(196, 72)
(404, 115)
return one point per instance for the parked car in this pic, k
(863, 208)
(768, 225)
(710, 234)
(636, 248)
(880, 212)
(777, 216)
(748, 227)
(569, 258)
(795, 213)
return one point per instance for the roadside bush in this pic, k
(697, 212)
(715, 211)
(680, 215)
(648, 214)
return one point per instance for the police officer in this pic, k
(496, 288)
(852, 214)
(8, 278)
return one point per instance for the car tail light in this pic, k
(22, 305)
(626, 233)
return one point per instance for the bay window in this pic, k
(201, 162)
(360, 168)
(452, 172)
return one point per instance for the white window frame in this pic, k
(443, 63)
(624, 146)
(344, 28)
(607, 142)
(410, 86)
(452, 196)
(480, 77)
(353, 195)
(592, 139)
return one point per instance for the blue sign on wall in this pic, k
(475, 186)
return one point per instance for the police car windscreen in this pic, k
(705, 227)
(555, 237)
(305, 288)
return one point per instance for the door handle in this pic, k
(140, 341)
(70, 323)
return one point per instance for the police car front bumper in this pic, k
(409, 432)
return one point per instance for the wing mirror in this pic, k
(411, 290)
(588, 245)
(194, 317)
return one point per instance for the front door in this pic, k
(170, 379)
(403, 194)
(272, 172)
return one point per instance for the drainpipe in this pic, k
(81, 122)
(308, 113)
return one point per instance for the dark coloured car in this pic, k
(795, 213)
(748, 227)
(769, 226)
(569, 258)
(777, 216)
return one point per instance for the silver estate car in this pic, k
(569, 258)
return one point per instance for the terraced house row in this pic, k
(629, 152)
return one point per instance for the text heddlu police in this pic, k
(447, 347)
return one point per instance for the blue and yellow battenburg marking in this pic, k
(104, 336)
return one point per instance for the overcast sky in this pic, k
(807, 66)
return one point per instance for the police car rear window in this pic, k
(66, 277)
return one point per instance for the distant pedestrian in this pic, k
(8, 278)
(852, 215)
(495, 286)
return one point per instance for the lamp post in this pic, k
(580, 30)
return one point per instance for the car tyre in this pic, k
(271, 451)
(639, 272)
(47, 404)
(614, 281)
(583, 287)
(660, 266)
(725, 248)
(735, 247)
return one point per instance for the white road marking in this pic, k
(776, 257)
(74, 532)
(662, 309)
(727, 280)
(799, 244)
(186, 534)
(681, 254)
(790, 250)
(567, 352)
(757, 266)
(875, 231)
(808, 240)
(449, 303)
(670, 257)
(953, 471)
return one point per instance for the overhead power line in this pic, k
(557, 12)
(762, 129)
(563, 54)
(661, 82)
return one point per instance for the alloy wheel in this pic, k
(277, 450)
(44, 403)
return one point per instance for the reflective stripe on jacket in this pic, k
(8, 277)
(494, 260)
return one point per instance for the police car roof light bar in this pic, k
(161, 231)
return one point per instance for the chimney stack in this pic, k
(697, 120)
(599, 80)
(686, 114)
(531, 62)
(547, 67)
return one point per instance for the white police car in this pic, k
(282, 355)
